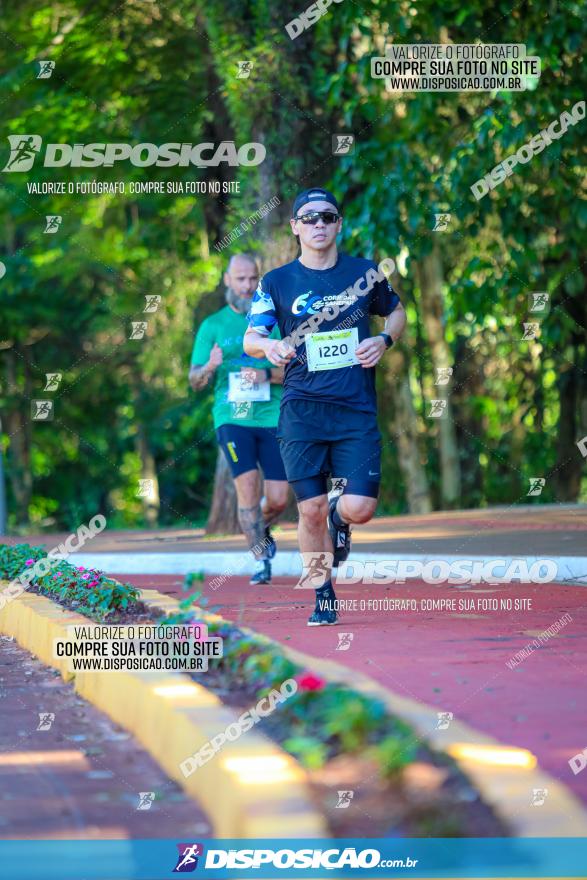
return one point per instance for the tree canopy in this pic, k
(154, 73)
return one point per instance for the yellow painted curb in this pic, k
(251, 788)
(505, 776)
(506, 787)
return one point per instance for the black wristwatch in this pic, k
(387, 339)
(268, 374)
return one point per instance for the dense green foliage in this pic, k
(157, 72)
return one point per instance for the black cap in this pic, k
(315, 194)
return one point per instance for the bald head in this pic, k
(241, 279)
(239, 260)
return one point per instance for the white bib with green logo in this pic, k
(332, 350)
(241, 389)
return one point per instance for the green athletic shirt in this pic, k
(227, 328)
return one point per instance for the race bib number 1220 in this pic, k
(331, 351)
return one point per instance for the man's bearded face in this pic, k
(241, 279)
(240, 303)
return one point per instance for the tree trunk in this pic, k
(19, 463)
(572, 428)
(3, 509)
(404, 427)
(223, 518)
(150, 493)
(468, 383)
(430, 278)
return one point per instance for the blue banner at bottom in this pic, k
(533, 857)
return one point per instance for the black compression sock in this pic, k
(325, 591)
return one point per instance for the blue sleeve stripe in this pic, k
(262, 320)
(259, 308)
(394, 301)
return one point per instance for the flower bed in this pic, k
(346, 741)
(86, 591)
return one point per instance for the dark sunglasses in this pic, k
(312, 217)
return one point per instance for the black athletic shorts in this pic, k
(246, 447)
(319, 440)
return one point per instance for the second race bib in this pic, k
(241, 389)
(332, 350)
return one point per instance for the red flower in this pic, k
(309, 682)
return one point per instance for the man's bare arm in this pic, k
(276, 351)
(395, 322)
(371, 350)
(254, 343)
(199, 376)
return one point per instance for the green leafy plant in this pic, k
(393, 753)
(89, 591)
(310, 752)
(324, 719)
(191, 578)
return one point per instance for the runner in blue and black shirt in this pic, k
(322, 303)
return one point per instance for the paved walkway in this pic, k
(529, 530)
(455, 660)
(81, 777)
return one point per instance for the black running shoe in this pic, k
(270, 545)
(324, 613)
(263, 573)
(341, 537)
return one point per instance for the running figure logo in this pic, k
(536, 485)
(244, 69)
(152, 302)
(247, 381)
(531, 330)
(42, 410)
(316, 566)
(437, 409)
(343, 144)
(337, 487)
(138, 329)
(46, 719)
(46, 68)
(53, 222)
(344, 641)
(443, 375)
(538, 302)
(53, 380)
(441, 222)
(242, 409)
(187, 860)
(145, 489)
(444, 719)
(23, 151)
(146, 799)
(344, 799)
(539, 795)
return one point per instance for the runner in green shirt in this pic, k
(247, 396)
